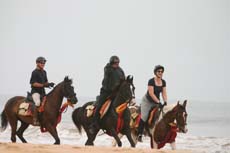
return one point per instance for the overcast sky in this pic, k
(191, 38)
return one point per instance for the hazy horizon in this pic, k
(190, 38)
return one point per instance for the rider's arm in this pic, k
(164, 94)
(39, 85)
(151, 93)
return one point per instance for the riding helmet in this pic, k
(158, 67)
(40, 59)
(113, 59)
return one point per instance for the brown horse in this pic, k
(112, 122)
(166, 128)
(48, 118)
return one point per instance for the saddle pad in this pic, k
(25, 109)
(89, 110)
(151, 115)
(105, 107)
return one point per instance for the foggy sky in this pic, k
(191, 38)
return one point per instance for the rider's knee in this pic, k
(37, 98)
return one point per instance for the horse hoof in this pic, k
(89, 144)
(57, 143)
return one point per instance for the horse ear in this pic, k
(176, 107)
(178, 102)
(130, 79)
(66, 78)
(185, 103)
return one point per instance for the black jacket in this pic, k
(112, 78)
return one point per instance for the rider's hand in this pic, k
(160, 105)
(46, 84)
(51, 84)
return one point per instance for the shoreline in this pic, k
(47, 148)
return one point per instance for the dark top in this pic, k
(157, 89)
(38, 76)
(112, 78)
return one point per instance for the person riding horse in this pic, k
(113, 76)
(151, 99)
(38, 83)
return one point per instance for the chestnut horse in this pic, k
(48, 118)
(166, 127)
(112, 120)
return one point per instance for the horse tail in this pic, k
(4, 121)
(76, 117)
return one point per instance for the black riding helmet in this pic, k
(113, 59)
(158, 67)
(40, 59)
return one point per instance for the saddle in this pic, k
(26, 108)
(90, 109)
(153, 116)
(135, 119)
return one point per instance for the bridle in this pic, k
(185, 114)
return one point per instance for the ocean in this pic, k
(208, 129)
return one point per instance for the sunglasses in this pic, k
(160, 71)
(116, 62)
(42, 62)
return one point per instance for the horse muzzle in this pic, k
(73, 100)
(183, 129)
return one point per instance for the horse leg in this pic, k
(173, 145)
(129, 137)
(13, 123)
(53, 131)
(91, 138)
(151, 141)
(20, 131)
(114, 134)
(154, 145)
(114, 143)
(134, 135)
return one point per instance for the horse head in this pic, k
(181, 116)
(126, 91)
(68, 90)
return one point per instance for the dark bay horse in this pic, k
(112, 119)
(173, 119)
(48, 118)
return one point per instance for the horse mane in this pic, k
(66, 80)
(53, 89)
(167, 109)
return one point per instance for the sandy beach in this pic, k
(42, 148)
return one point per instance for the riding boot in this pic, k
(95, 126)
(35, 117)
(140, 130)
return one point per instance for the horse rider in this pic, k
(113, 76)
(151, 99)
(38, 83)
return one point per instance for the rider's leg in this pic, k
(156, 117)
(37, 100)
(146, 106)
(96, 118)
(140, 130)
